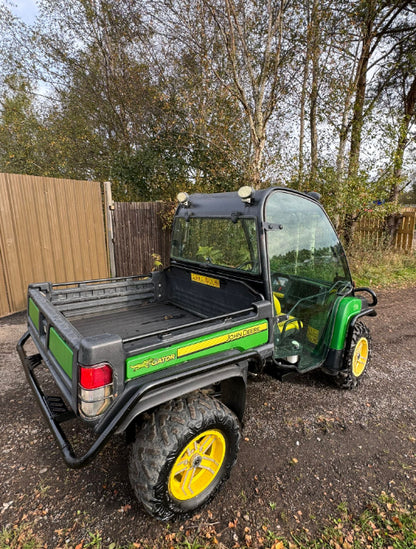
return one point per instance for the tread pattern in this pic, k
(161, 437)
(346, 379)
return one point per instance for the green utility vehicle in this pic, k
(256, 278)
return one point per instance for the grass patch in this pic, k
(380, 267)
(19, 537)
(385, 524)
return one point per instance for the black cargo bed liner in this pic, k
(135, 321)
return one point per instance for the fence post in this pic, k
(109, 207)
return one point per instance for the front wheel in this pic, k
(356, 359)
(183, 452)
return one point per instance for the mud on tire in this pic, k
(182, 454)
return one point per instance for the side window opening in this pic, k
(306, 246)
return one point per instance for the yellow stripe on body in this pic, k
(219, 340)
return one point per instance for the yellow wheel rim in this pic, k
(197, 465)
(360, 357)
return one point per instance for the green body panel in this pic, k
(62, 353)
(347, 309)
(34, 313)
(241, 338)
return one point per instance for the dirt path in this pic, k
(307, 447)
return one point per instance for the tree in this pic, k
(206, 95)
(253, 38)
(20, 129)
(402, 88)
(377, 30)
(249, 49)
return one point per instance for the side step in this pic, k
(58, 409)
(34, 361)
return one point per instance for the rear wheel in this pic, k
(356, 359)
(183, 452)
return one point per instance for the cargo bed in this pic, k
(137, 321)
(144, 311)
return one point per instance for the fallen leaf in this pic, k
(398, 522)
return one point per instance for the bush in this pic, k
(382, 266)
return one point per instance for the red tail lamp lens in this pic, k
(93, 377)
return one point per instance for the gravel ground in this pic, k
(307, 447)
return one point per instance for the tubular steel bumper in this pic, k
(56, 412)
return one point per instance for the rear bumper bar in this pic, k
(55, 412)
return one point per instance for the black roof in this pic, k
(228, 204)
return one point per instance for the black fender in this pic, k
(231, 377)
(335, 358)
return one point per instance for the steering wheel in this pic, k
(335, 285)
(246, 263)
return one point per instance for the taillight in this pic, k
(96, 376)
(95, 389)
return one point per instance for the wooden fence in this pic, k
(50, 230)
(371, 230)
(138, 237)
(53, 230)
(406, 233)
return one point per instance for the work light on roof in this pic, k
(183, 198)
(246, 193)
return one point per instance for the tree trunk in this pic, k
(303, 96)
(315, 36)
(409, 112)
(392, 221)
(358, 111)
(313, 119)
(258, 142)
(302, 121)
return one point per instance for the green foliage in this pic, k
(20, 130)
(155, 98)
(19, 537)
(210, 254)
(118, 111)
(346, 200)
(382, 267)
(409, 197)
(95, 541)
(218, 241)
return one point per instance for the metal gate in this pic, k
(50, 230)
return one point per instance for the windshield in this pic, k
(225, 242)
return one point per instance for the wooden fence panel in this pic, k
(138, 233)
(50, 230)
(370, 230)
(405, 234)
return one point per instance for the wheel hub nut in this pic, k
(196, 461)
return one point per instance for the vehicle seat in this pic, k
(291, 323)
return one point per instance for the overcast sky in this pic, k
(25, 9)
